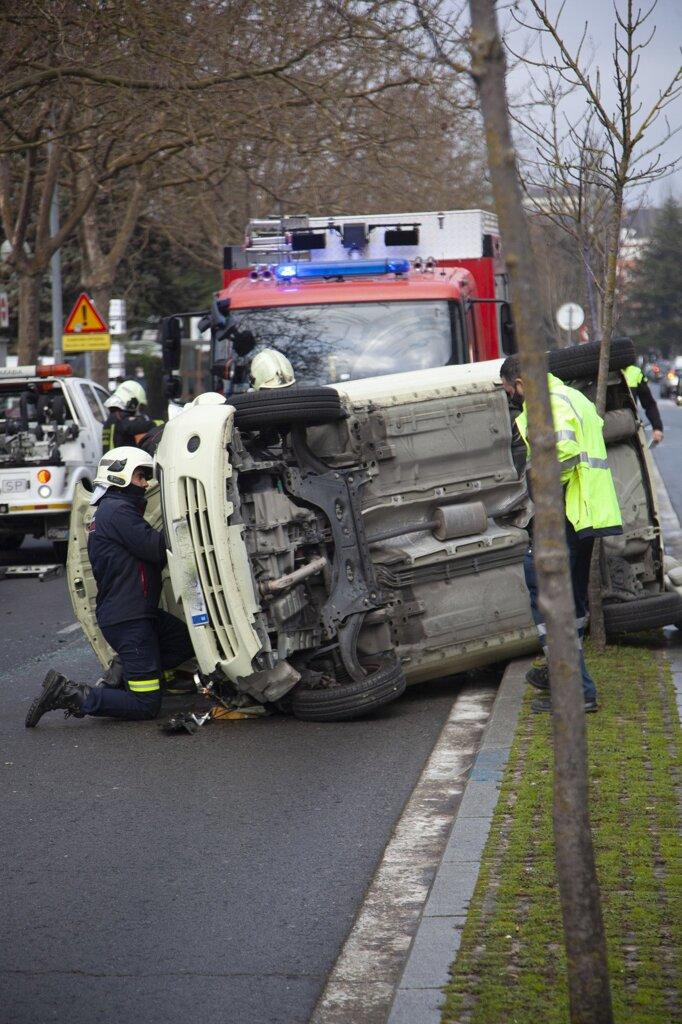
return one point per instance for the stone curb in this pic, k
(418, 998)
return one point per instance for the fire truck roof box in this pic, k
(442, 235)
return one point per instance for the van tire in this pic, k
(282, 407)
(343, 703)
(643, 613)
(582, 361)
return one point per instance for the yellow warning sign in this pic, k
(85, 342)
(84, 318)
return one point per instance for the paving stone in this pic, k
(433, 950)
(452, 889)
(479, 800)
(416, 1006)
(467, 840)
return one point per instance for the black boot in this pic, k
(58, 694)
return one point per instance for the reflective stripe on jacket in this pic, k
(590, 496)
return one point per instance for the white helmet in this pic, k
(271, 369)
(116, 469)
(128, 396)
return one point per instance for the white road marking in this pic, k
(360, 987)
(69, 629)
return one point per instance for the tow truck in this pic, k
(351, 297)
(50, 440)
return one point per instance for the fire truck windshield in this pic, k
(344, 341)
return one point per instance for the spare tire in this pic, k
(582, 361)
(281, 407)
(643, 613)
(342, 703)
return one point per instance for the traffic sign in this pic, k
(570, 316)
(85, 330)
(84, 318)
(4, 310)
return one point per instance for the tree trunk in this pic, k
(99, 367)
(588, 981)
(597, 628)
(29, 318)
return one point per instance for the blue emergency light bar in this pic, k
(343, 268)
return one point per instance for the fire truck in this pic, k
(351, 297)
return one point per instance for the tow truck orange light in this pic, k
(44, 476)
(54, 370)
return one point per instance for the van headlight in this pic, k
(44, 491)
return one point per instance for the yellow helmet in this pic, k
(271, 369)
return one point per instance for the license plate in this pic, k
(15, 485)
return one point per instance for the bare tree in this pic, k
(627, 155)
(588, 979)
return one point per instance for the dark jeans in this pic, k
(146, 647)
(579, 557)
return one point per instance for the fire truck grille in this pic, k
(212, 583)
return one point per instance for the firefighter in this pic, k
(590, 504)
(127, 556)
(127, 419)
(271, 369)
(639, 386)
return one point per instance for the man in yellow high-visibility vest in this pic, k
(591, 504)
(639, 386)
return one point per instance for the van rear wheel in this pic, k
(354, 700)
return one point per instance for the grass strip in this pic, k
(511, 964)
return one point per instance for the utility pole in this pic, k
(56, 279)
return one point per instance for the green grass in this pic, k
(511, 964)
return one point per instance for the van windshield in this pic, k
(345, 341)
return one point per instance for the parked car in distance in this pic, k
(328, 545)
(50, 440)
(656, 369)
(671, 378)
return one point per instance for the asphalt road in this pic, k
(172, 878)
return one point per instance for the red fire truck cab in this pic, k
(351, 297)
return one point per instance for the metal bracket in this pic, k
(354, 589)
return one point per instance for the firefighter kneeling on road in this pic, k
(127, 556)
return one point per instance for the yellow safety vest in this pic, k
(633, 376)
(590, 496)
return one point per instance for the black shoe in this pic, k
(538, 677)
(58, 694)
(544, 704)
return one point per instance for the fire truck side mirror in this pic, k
(507, 331)
(170, 339)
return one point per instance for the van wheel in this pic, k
(643, 613)
(582, 361)
(281, 407)
(342, 703)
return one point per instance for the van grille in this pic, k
(209, 571)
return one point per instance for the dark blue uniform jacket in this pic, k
(127, 556)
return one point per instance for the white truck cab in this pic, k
(50, 440)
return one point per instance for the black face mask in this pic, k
(134, 491)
